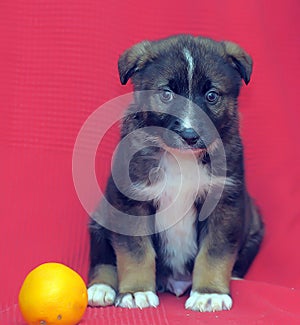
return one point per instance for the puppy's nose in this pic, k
(189, 135)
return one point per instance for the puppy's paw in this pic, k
(137, 300)
(101, 295)
(208, 302)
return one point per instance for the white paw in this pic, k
(138, 300)
(208, 302)
(101, 295)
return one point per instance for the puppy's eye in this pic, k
(212, 96)
(166, 96)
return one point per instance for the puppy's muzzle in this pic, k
(179, 135)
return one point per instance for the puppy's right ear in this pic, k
(133, 60)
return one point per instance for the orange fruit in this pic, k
(53, 294)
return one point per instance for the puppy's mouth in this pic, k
(184, 149)
(188, 142)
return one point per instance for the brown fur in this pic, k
(212, 274)
(136, 272)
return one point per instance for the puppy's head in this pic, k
(184, 80)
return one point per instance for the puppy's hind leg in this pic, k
(252, 243)
(103, 280)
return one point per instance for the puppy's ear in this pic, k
(240, 60)
(133, 60)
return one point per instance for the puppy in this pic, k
(176, 213)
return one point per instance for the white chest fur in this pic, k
(184, 180)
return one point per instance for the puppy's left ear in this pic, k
(133, 60)
(240, 60)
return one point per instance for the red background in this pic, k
(59, 63)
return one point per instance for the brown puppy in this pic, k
(177, 212)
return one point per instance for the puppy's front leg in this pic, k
(136, 272)
(211, 278)
(213, 265)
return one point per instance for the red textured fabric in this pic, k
(59, 64)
